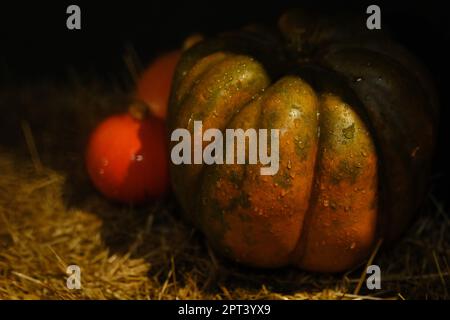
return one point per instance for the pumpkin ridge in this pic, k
(197, 78)
(299, 250)
(255, 78)
(341, 219)
(398, 135)
(322, 88)
(384, 218)
(266, 220)
(203, 76)
(337, 84)
(212, 174)
(263, 117)
(202, 174)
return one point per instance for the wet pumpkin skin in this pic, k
(359, 115)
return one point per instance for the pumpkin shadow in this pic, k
(120, 222)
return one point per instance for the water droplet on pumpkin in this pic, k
(353, 245)
(295, 113)
(289, 164)
(326, 203)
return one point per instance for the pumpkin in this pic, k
(126, 156)
(153, 86)
(359, 115)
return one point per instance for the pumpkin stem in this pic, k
(139, 110)
(192, 40)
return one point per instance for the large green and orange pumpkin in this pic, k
(359, 114)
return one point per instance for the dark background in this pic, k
(36, 46)
(36, 42)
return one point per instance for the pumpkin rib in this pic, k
(325, 79)
(204, 174)
(299, 251)
(199, 79)
(278, 194)
(221, 108)
(196, 73)
(342, 213)
(397, 178)
(326, 82)
(221, 192)
(269, 226)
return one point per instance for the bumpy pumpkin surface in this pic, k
(359, 114)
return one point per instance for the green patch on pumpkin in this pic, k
(283, 179)
(242, 200)
(346, 171)
(302, 147)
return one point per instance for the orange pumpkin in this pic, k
(153, 87)
(126, 156)
(360, 116)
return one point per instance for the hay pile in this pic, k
(51, 217)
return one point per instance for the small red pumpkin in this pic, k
(126, 157)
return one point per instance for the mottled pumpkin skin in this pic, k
(359, 114)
